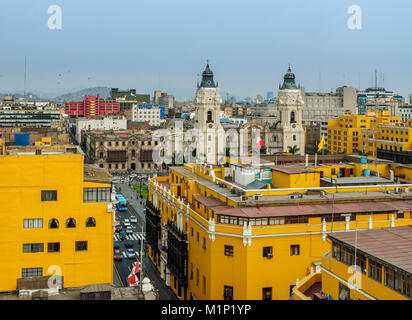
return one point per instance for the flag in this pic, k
(322, 143)
(136, 267)
(259, 143)
(132, 279)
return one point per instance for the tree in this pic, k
(366, 154)
(294, 149)
(263, 150)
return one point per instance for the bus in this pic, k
(121, 205)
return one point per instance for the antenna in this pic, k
(376, 78)
(25, 75)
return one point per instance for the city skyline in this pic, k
(119, 48)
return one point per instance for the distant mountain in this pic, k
(104, 92)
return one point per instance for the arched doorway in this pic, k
(133, 166)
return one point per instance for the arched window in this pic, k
(133, 153)
(292, 117)
(90, 222)
(101, 155)
(274, 138)
(209, 116)
(70, 223)
(53, 224)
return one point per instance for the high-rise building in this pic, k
(91, 107)
(379, 99)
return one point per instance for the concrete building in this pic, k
(56, 217)
(91, 107)
(379, 99)
(405, 111)
(163, 98)
(153, 114)
(29, 118)
(121, 151)
(214, 239)
(101, 123)
(127, 99)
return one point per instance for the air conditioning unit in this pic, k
(244, 198)
(398, 190)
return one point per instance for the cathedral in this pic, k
(211, 138)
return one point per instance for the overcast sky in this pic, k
(164, 44)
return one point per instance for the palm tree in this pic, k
(294, 149)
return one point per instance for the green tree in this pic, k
(294, 149)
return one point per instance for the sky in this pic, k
(164, 45)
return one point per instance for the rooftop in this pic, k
(390, 245)
(43, 150)
(93, 173)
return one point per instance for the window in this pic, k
(33, 223)
(204, 243)
(267, 252)
(228, 251)
(90, 222)
(96, 194)
(191, 232)
(228, 293)
(375, 271)
(31, 272)
(400, 215)
(267, 293)
(204, 285)
(53, 247)
(198, 237)
(191, 271)
(49, 195)
(294, 137)
(70, 223)
(81, 245)
(344, 292)
(295, 250)
(53, 224)
(197, 278)
(32, 247)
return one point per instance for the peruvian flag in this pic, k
(135, 269)
(260, 143)
(132, 278)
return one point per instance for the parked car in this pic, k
(129, 230)
(118, 228)
(116, 245)
(131, 254)
(122, 235)
(128, 244)
(133, 219)
(126, 222)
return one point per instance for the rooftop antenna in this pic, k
(25, 76)
(376, 78)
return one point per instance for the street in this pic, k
(122, 268)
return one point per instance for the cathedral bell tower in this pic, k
(209, 146)
(289, 104)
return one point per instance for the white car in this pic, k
(133, 219)
(129, 230)
(126, 223)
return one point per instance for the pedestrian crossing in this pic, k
(133, 237)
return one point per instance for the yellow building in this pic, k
(363, 265)
(355, 133)
(56, 217)
(211, 238)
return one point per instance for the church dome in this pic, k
(207, 78)
(289, 80)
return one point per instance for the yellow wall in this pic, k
(23, 179)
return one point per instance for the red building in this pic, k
(91, 107)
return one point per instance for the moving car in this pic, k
(118, 228)
(129, 230)
(133, 219)
(126, 222)
(128, 244)
(131, 254)
(122, 235)
(117, 255)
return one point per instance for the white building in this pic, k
(101, 123)
(147, 113)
